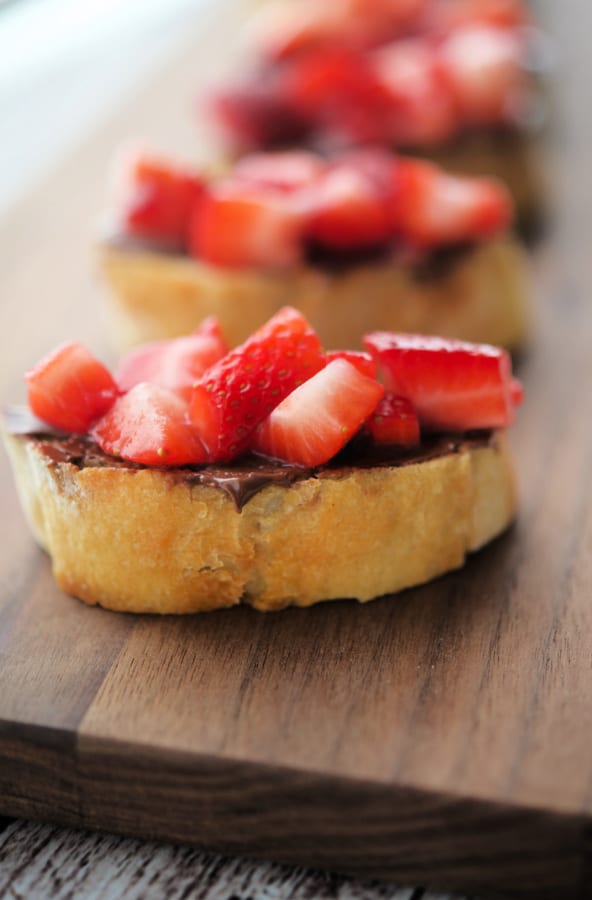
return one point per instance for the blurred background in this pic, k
(66, 65)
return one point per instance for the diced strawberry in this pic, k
(318, 418)
(160, 200)
(394, 422)
(362, 361)
(347, 210)
(285, 171)
(424, 111)
(374, 163)
(483, 68)
(257, 114)
(240, 390)
(339, 91)
(516, 392)
(243, 225)
(175, 364)
(433, 207)
(453, 385)
(149, 425)
(69, 388)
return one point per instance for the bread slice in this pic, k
(155, 541)
(477, 295)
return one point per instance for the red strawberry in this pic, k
(175, 364)
(453, 385)
(432, 207)
(286, 171)
(484, 72)
(69, 388)
(318, 418)
(394, 422)
(347, 210)
(240, 390)
(516, 392)
(244, 225)
(149, 425)
(339, 91)
(423, 108)
(362, 361)
(160, 200)
(256, 114)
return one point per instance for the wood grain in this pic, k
(40, 861)
(440, 737)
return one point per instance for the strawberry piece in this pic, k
(318, 418)
(394, 422)
(244, 225)
(516, 392)
(432, 207)
(423, 107)
(362, 361)
(347, 210)
(483, 69)
(287, 171)
(453, 385)
(175, 364)
(240, 390)
(339, 91)
(149, 425)
(69, 388)
(160, 200)
(257, 114)
(375, 164)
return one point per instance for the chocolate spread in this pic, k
(243, 479)
(422, 264)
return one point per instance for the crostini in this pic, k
(366, 240)
(273, 474)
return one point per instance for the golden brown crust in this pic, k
(142, 540)
(479, 296)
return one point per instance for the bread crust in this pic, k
(149, 541)
(481, 296)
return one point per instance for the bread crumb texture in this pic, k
(482, 296)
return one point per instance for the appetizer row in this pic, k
(452, 79)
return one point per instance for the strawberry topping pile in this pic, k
(279, 209)
(414, 73)
(191, 401)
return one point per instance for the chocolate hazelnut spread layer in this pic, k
(423, 264)
(242, 479)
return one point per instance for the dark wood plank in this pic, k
(440, 737)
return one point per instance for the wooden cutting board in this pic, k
(443, 736)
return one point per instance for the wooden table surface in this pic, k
(501, 684)
(40, 861)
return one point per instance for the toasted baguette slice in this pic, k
(480, 295)
(154, 541)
